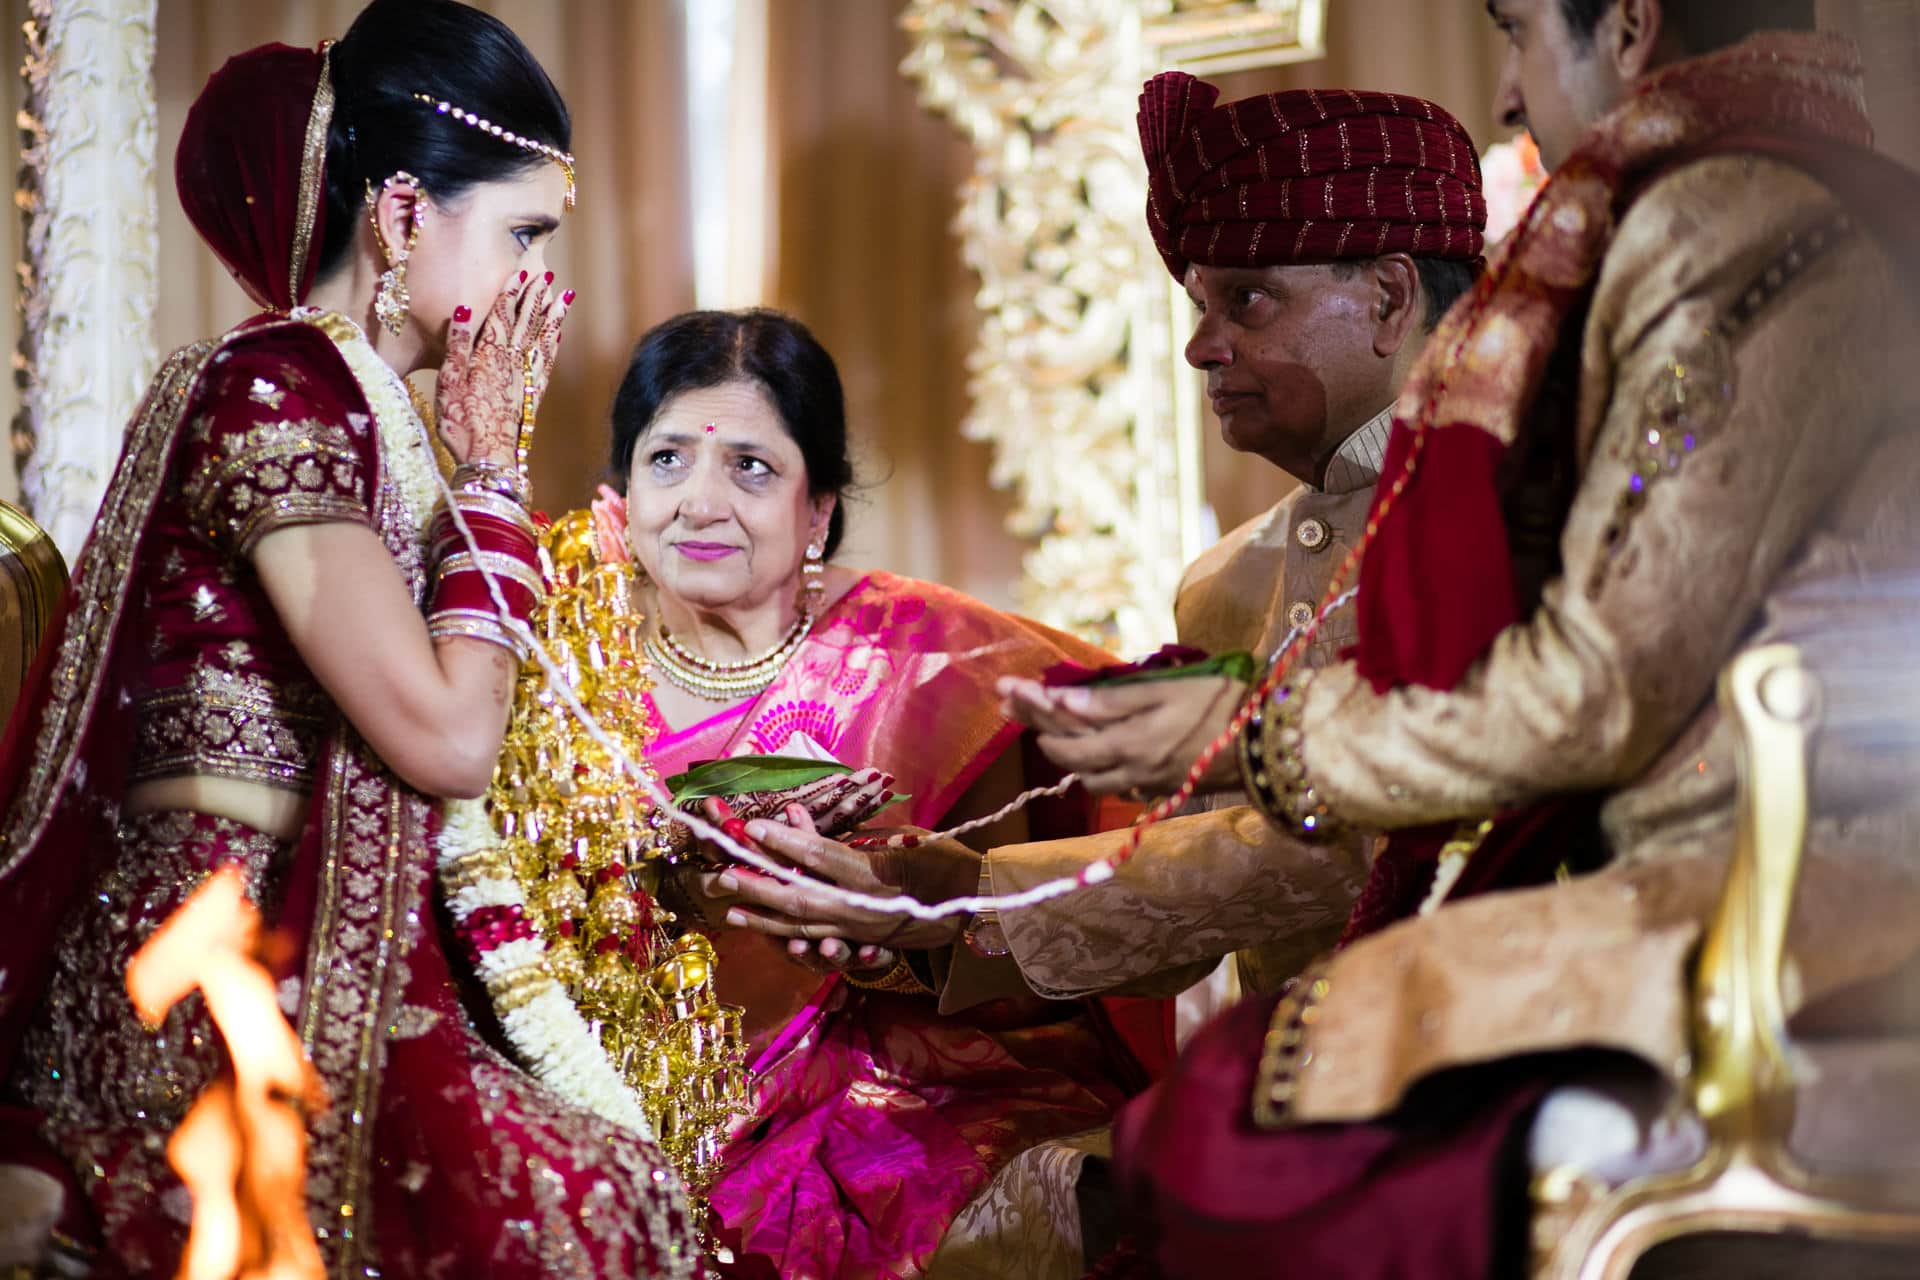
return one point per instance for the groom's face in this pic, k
(1555, 80)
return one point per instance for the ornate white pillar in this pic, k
(92, 250)
(1078, 382)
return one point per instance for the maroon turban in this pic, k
(250, 167)
(1308, 175)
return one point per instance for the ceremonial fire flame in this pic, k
(241, 1150)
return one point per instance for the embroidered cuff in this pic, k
(1274, 773)
(902, 979)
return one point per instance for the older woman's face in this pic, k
(717, 502)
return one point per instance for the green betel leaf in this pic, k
(1237, 665)
(739, 775)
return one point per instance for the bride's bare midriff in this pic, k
(266, 809)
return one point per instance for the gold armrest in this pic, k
(1747, 1183)
(33, 576)
(1742, 1083)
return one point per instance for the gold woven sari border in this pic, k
(99, 592)
(313, 163)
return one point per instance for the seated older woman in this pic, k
(877, 1118)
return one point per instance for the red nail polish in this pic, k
(910, 842)
(737, 828)
(549, 277)
(566, 299)
(885, 796)
(462, 313)
(523, 277)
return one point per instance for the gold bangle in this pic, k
(499, 563)
(482, 476)
(472, 624)
(529, 396)
(476, 500)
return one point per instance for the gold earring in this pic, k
(814, 571)
(391, 301)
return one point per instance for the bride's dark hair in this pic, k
(457, 54)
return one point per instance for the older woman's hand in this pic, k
(1131, 738)
(932, 871)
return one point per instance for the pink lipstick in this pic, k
(705, 550)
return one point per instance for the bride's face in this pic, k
(718, 508)
(469, 247)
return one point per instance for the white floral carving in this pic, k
(1077, 378)
(92, 253)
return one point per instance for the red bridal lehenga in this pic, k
(438, 1156)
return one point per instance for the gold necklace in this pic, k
(724, 681)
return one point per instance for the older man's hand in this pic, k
(1135, 738)
(929, 871)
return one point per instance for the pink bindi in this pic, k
(710, 427)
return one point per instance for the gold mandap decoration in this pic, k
(1077, 378)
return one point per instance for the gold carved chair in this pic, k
(32, 578)
(1756, 1202)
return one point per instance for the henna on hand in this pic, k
(488, 371)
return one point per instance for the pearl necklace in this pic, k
(725, 681)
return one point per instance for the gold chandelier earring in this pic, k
(391, 301)
(814, 572)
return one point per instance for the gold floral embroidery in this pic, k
(206, 605)
(87, 1062)
(630, 1213)
(227, 724)
(376, 848)
(264, 392)
(272, 475)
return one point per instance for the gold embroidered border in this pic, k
(227, 725)
(313, 162)
(98, 596)
(1285, 1052)
(356, 973)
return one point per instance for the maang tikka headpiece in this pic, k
(562, 158)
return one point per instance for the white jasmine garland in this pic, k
(545, 1028)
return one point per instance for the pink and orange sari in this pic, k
(879, 1118)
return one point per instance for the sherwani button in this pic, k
(1311, 533)
(1299, 615)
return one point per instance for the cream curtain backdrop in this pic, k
(863, 187)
